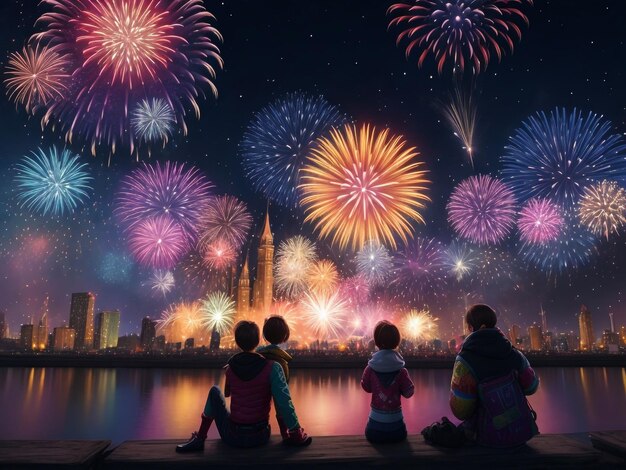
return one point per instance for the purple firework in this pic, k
(419, 269)
(226, 218)
(482, 210)
(157, 242)
(164, 189)
(356, 290)
(540, 221)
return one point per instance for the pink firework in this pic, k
(36, 76)
(157, 242)
(226, 218)
(123, 51)
(170, 189)
(540, 221)
(218, 255)
(459, 33)
(362, 322)
(482, 209)
(356, 290)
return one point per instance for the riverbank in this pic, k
(544, 451)
(301, 361)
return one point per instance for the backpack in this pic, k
(444, 433)
(505, 418)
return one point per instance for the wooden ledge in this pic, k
(51, 454)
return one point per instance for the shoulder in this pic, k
(462, 367)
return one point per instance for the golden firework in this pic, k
(602, 208)
(322, 277)
(362, 184)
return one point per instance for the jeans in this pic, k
(233, 434)
(380, 433)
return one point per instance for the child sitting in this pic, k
(275, 332)
(386, 379)
(251, 382)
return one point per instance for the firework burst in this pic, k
(294, 258)
(361, 322)
(162, 281)
(123, 51)
(602, 208)
(36, 76)
(374, 262)
(460, 259)
(482, 209)
(153, 120)
(53, 182)
(115, 268)
(557, 156)
(461, 115)
(182, 321)
(539, 221)
(322, 277)
(419, 326)
(419, 269)
(278, 140)
(218, 312)
(171, 190)
(157, 242)
(324, 314)
(219, 255)
(225, 218)
(459, 33)
(356, 291)
(361, 185)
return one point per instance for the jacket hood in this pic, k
(386, 360)
(247, 365)
(489, 343)
(273, 351)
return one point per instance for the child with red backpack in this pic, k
(387, 380)
(489, 385)
(251, 382)
(275, 332)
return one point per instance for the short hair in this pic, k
(275, 329)
(386, 335)
(479, 316)
(247, 335)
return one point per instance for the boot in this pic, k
(197, 438)
(297, 437)
(284, 432)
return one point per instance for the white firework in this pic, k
(153, 120)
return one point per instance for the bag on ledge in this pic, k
(444, 433)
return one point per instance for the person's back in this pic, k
(488, 370)
(387, 380)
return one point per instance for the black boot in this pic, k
(194, 444)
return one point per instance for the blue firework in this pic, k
(556, 155)
(574, 247)
(53, 182)
(153, 120)
(278, 140)
(419, 270)
(115, 268)
(374, 262)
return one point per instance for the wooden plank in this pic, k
(56, 454)
(613, 442)
(354, 452)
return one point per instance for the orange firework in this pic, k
(362, 184)
(36, 76)
(322, 277)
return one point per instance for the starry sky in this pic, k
(568, 57)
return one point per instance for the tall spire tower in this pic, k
(586, 329)
(263, 290)
(243, 293)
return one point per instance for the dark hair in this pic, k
(247, 335)
(386, 335)
(480, 315)
(275, 329)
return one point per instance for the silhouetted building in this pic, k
(159, 343)
(128, 342)
(622, 334)
(189, 343)
(215, 341)
(27, 337)
(586, 329)
(536, 338)
(63, 338)
(243, 293)
(3, 325)
(148, 333)
(612, 322)
(609, 339)
(107, 328)
(514, 334)
(81, 318)
(40, 332)
(263, 289)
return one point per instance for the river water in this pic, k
(121, 404)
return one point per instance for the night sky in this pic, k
(570, 56)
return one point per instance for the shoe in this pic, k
(297, 437)
(194, 444)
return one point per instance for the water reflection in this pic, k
(119, 404)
